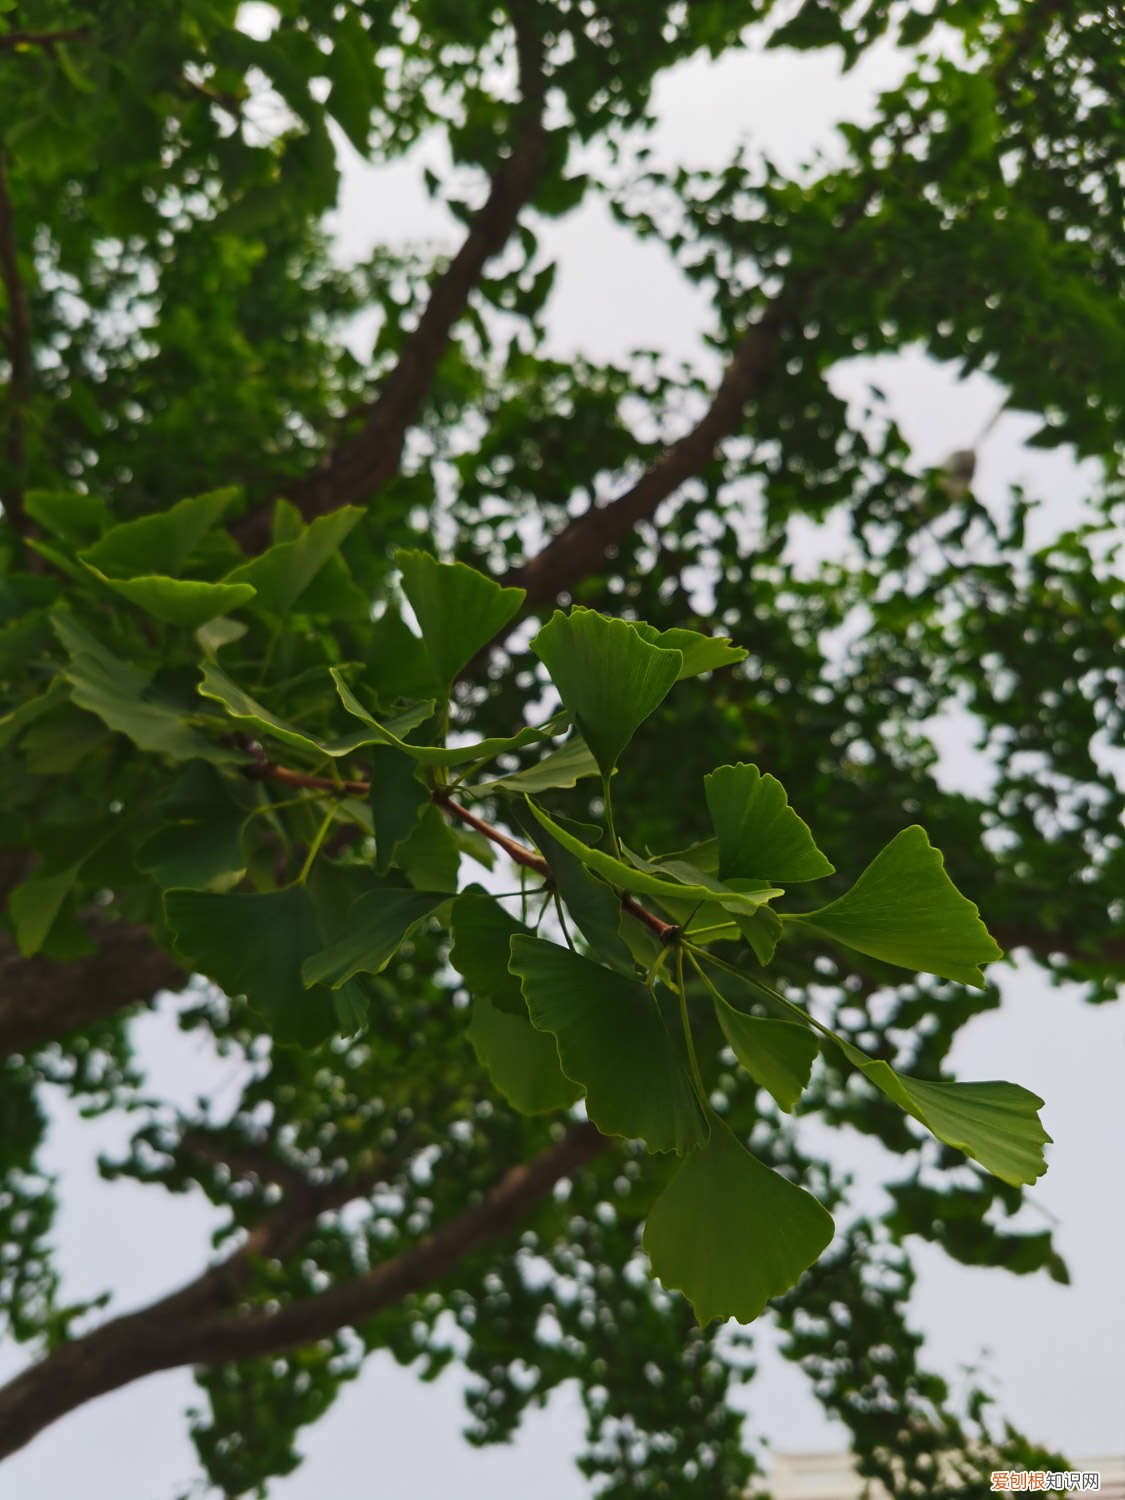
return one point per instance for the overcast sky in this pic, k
(1052, 1354)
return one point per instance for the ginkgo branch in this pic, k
(357, 468)
(520, 854)
(199, 1325)
(11, 41)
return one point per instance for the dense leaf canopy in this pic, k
(543, 830)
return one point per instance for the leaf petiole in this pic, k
(314, 847)
(689, 1040)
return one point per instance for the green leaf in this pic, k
(378, 924)
(59, 743)
(761, 929)
(615, 1040)
(75, 519)
(215, 684)
(397, 664)
(482, 934)
(115, 691)
(905, 910)
(459, 610)
(398, 799)
(562, 768)
(701, 653)
(609, 678)
(642, 881)
(254, 944)
(197, 842)
(995, 1123)
(178, 601)
(356, 80)
(35, 905)
(216, 634)
(522, 1062)
(160, 543)
(709, 921)
(282, 573)
(730, 1233)
(760, 836)
(199, 854)
(591, 903)
(704, 856)
(430, 858)
(12, 724)
(436, 755)
(777, 1054)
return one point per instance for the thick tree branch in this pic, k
(243, 1159)
(580, 549)
(42, 998)
(361, 464)
(178, 1330)
(17, 344)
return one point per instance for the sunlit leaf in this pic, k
(701, 653)
(616, 1041)
(995, 1123)
(905, 910)
(730, 1233)
(760, 836)
(777, 1054)
(608, 677)
(522, 1062)
(459, 610)
(645, 883)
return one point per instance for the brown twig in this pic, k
(11, 40)
(230, 102)
(267, 770)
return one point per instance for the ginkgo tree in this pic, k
(461, 731)
(599, 1010)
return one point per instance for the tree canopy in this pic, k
(464, 732)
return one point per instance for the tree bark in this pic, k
(42, 999)
(354, 472)
(185, 1327)
(580, 549)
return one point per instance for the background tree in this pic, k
(173, 327)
